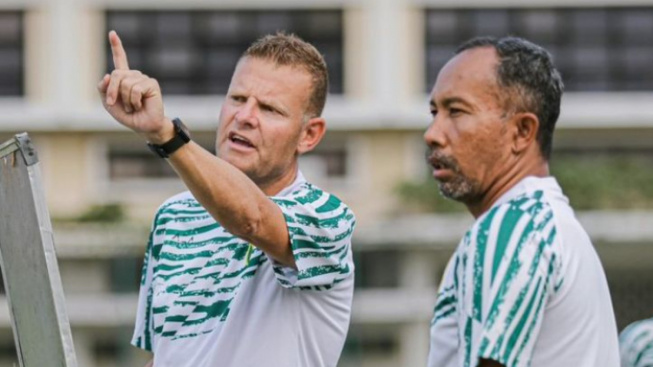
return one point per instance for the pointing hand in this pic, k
(134, 99)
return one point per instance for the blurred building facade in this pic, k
(103, 186)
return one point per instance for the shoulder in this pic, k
(183, 203)
(309, 195)
(526, 214)
(637, 328)
(181, 199)
(636, 343)
(313, 211)
(521, 230)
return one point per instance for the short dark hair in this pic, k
(290, 50)
(527, 72)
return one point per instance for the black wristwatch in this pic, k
(182, 136)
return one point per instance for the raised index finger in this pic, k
(119, 54)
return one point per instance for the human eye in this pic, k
(434, 112)
(270, 109)
(454, 112)
(238, 98)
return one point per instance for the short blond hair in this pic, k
(290, 50)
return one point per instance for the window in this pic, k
(370, 342)
(125, 164)
(11, 53)
(377, 269)
(125, 274)
(595, 49)
(330, 160)
(325, 163)
(128, 158)
(195, 52)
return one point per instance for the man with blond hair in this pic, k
(253, 265)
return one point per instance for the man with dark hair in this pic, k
(253, 266)
(525, 287)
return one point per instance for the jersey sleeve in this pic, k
(636, 344)
(143, 329)
(320, 227)
(444, 325)
(514, 268)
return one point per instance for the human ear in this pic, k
(311, 135)
(525, 130)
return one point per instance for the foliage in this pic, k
(424, 196)
(109, 213)
(606, 182)
(591, 181)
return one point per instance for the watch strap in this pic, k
(181, 138)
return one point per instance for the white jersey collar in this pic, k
(530, 184)
(299, 180)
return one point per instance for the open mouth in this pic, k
(440, 162)
(240, 140)
(444, 168)
(438, 165)
(441, 172)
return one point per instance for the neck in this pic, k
(274, 186)
(504, 182)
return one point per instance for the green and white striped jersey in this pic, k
(525, 288)
(210, 299)
(636, 344)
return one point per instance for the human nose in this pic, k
(434, 135)
(247, 113)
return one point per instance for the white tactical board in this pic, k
(29, 263)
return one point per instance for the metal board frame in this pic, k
(29, 263)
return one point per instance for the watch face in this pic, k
(182, 136)
(182, 129)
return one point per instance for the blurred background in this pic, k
(103, 186)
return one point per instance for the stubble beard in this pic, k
(460, 188)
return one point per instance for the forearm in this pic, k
(233, 200)
(226, 193)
